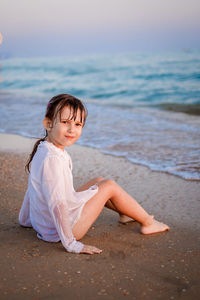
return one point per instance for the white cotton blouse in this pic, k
(51, 205)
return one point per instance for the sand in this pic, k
(131, 266)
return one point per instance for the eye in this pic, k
(79, 124)
(65, 121)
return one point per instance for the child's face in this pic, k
(64, 131)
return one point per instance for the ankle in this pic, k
(148, 221)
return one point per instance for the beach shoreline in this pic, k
(157, 107)
(162, 266)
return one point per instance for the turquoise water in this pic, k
(144, 107)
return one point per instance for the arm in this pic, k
(57, 191)
(24, 214)
(61, 220)
(71, 245)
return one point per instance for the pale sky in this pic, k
(62, 27)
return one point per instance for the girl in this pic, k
(51, 205)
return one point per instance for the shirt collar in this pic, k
(53, 148)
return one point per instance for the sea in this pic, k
(144, 107)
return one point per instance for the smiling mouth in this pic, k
(69, 137)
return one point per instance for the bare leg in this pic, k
(122, 218)
(109, 204)
(124, 203)
(90, 183)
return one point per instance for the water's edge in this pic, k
(8, 146)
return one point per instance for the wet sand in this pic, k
(131, 266)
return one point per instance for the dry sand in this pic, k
(131, 266)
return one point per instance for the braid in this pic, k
(27, 167)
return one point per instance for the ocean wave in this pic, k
(134, 104)
(192, 109)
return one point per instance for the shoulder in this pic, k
(53, 160)
(52, 167)
(44, 156)
(49, 152)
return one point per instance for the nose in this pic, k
(71, 127)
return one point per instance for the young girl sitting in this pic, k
(51, 205)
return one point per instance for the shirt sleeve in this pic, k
(24, 214)
(57, 191)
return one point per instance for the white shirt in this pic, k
(51, 205)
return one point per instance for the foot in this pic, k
(154, 227)
(125, 219)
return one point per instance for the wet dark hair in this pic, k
(54, 108)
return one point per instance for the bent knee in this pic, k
(111, 184)
(110, 181)
(98, 179)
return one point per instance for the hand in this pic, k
(90, 250)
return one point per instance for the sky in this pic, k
(66, 27)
